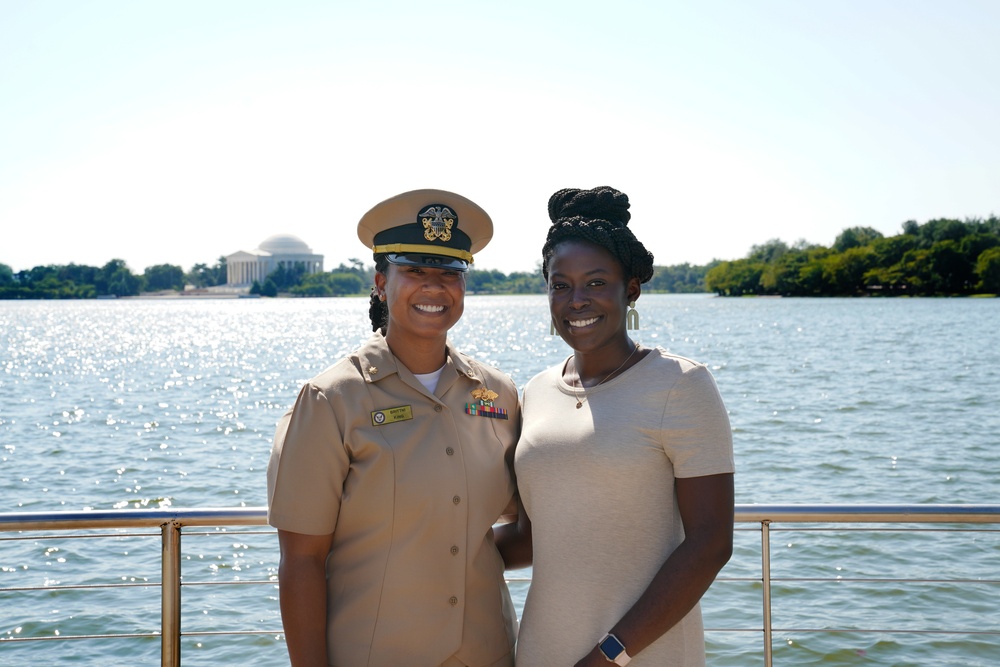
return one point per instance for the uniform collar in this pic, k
(377, 361)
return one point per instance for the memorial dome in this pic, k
(274, 252)
(285, 244)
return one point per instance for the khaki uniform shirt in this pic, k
(410, 484)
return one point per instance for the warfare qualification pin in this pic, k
(484, 395)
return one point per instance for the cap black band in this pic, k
(413, 234)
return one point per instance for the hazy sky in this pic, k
(177, 132)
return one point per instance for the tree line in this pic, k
(115, 279)
(942, 257)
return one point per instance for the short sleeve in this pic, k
(695, 430)
(307, 468)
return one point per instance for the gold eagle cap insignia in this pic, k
(437, 221)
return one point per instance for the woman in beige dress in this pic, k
(624, 465)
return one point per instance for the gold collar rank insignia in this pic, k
(438, 221)
(485, 407)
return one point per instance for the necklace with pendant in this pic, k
(580, 399)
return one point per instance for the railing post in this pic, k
(170, 621)
(765, 567)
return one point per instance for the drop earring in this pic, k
(632, 318)
(552, 328)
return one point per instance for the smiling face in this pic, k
(423, 303)
(589, 296)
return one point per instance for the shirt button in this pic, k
(471, 374)
(453, 600)
(454, 551)
(438, 408)
(450, 451)
(456, 500)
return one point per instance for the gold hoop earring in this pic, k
(632, 318)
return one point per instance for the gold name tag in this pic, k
(392, 415)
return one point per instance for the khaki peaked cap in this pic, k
(423, 226)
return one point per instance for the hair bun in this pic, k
(601, 203)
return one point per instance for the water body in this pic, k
(145, 403)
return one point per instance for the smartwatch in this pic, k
(614, 650)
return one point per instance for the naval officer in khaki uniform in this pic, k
(388, 473)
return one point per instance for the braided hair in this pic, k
(599, 216)
(378, 310)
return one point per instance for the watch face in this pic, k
(611, 647)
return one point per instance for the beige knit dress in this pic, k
(598, 485)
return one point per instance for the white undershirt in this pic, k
(430, 380)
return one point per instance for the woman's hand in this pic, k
(593, 659)
(706, 509)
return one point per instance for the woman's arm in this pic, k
(513, 539)
(302, 595)
(706, 509)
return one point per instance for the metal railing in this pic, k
(171, 523)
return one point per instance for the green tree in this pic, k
(914, 270)
(202, 275)
(942, 229)
(990, 225)
(343, 284)
(329, 284)
(808, 278)
(164, 277)
(769, 251)
(312, 289)
(46, 282)
(287, 275)
(116, 279)
(197, 276)
(718, 278)
(844, 273)
(6, 276)
(269, 288)
(526, 282)
(739, 278)
(973, 245)
(679, 278)
(781, 275)
(220, 271)
(486, 281)
(889, 251)
(79, 274)
(950, 272)
(855, 237)
(988, 271)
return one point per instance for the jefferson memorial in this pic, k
(243, 267)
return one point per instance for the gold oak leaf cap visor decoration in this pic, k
(432, 228)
